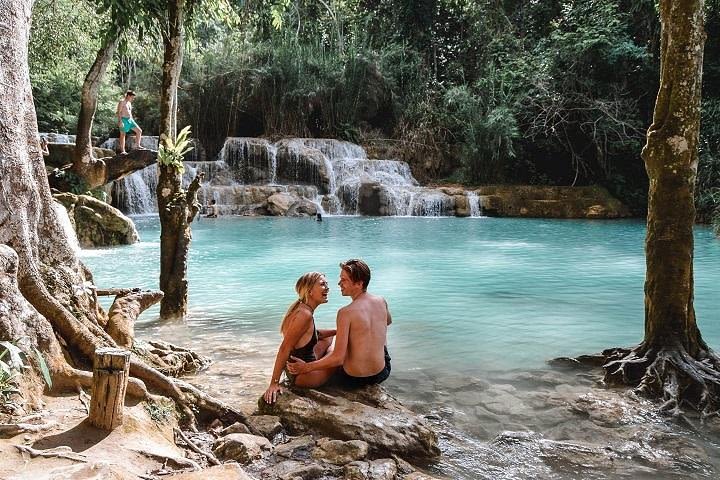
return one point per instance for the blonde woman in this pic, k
(300, 337)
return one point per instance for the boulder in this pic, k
(382, 469)
(299, 448)
(236, 427)
(298, 163)
(292, 470)
(462, 206)
(279, 203)
(229, 471)
(340, 452)
(96, 223)
(302, 208)
(266, 425)
(386, 430)
(242, 447)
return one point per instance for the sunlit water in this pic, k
(472, 299)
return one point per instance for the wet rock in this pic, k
(292, 470)
(397, 431)
(383, 469)
(242, 447)
(340, 452)
(279, 203)
(266, 425)
(96, 223)
(229, 471)
(236, 427)
(302, 208)
(299, 448)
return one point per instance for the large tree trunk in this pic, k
(176, 207)
(673, 362)
(43, 285)
(88, 101)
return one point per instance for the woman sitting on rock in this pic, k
(300, 337)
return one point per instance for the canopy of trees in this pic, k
(552, 92)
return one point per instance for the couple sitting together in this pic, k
(357, 357)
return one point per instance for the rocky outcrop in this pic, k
(550, 202)
(298, 163)
(293, 201)
(96, 223)
(369, 415)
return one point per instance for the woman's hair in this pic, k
(303, 286)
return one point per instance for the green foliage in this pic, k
(161, 411)
(12, 363)
(171, 153)
(707, 185)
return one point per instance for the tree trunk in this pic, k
(43, 286)
(672, 362)
(670, 156)
(176, 207)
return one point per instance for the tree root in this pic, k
(125, 310)
(57, 452)
(212, 459)
(669, 374)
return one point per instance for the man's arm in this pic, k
(118, 113)
(387, 309)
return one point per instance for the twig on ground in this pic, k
(12, 429)
(84, 397)
(211, 458)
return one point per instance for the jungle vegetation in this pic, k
(467, 91)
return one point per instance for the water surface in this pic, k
(471, 299)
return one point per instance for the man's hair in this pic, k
(357, 270)
(130, 92)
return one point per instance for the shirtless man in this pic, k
(126, 121)
(360, 344)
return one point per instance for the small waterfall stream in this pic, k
(475, 204)
(337, 176)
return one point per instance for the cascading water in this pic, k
(335, 175)
(474, 204)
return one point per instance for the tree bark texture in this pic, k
(671, 156)
(673, 362)
(110, 378)
(174, 204)
(88, 101)
(44, 288)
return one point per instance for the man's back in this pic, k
(368, 316)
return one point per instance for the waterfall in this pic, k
(336, 175)
(475, 204)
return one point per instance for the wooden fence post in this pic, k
(110, 376)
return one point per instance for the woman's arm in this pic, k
(297, 325)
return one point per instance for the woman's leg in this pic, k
(314, 379)
(318, 377)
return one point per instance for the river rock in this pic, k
(229, 471)
(279, 203)
(293, 470)
(96, 223)
(266, 425)
(374, 200)
(385, 430)
(340, 452)
(236, 427)
(550, 202)
(302, 208)
(299, 448)
(242, 447)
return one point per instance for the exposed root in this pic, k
(669, 374)
(8, 430)
(125, 310)
(212, 459)
(57, 452)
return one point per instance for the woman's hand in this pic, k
(297, 366)
(272, 393)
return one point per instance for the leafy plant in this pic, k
(171, 153)
(160, 412)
